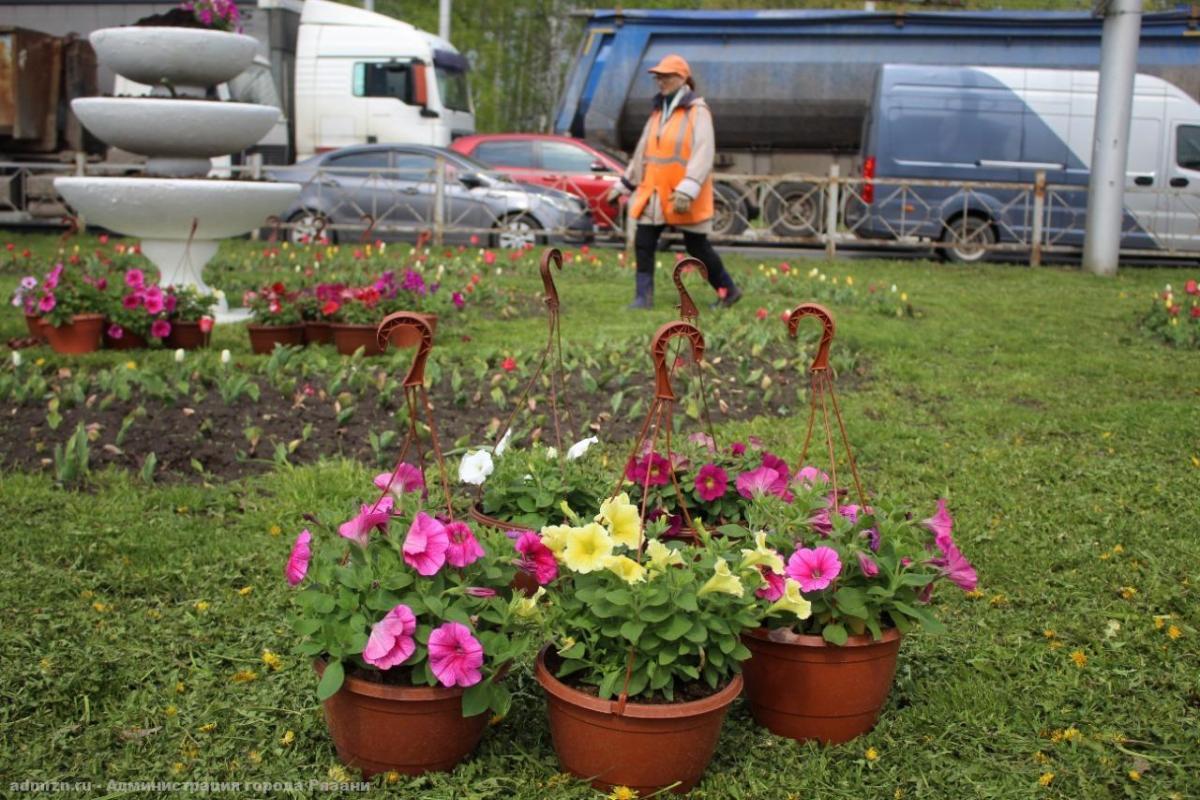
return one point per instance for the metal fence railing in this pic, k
(964, 220)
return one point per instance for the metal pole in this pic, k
(1039, 211)
(439, 203)
(831, 212)
(1110, 144)
(444, 19)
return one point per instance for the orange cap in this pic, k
(672, 65)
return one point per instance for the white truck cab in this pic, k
(364, 78)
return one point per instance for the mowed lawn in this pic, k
(1066, 441)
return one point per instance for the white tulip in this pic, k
(475, 467)
(179, 355)
(502, 445)
(579, 448)
(226, 357)
(16, 356)
(551, 453)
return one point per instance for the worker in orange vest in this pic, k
(670, 176)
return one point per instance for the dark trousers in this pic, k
(697, 245)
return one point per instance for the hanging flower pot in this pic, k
(803, 687)
(408, 336)
(265, 338)
(646, 746)
(378, 727)
(81, 335)
(188, 335)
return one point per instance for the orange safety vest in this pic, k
(668, 148)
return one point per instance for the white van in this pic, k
(364, 78)
(1006, 125)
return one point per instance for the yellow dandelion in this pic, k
(208, 727)
(130, 365)
(1195, 459)
(153, 613)
(1040, 758)
(275, 530)
(245, 591)
(1049, 633)
(180, 687)
(178, 768)
(1056, 645)
(1173, 632)
(273, 661)
(623, 793)
(849, 280)
(1080, 658)
(1128, 592)
(100, 607)
(1105, 556)
(244, 676)
(182, 510)
(201, 606)
(1071, 734)
(904, 297)
(392, 776)
(254, 756)
(287, 738)
(998, 600)
(1118, 548)
(87, 594)
(1046, 779)
(872, 754)
(171, 711)
(44, 665)
(974, 594)
(39, 362)
(1134, 775)
(1160, 621)
(338, 774)
(899, 793)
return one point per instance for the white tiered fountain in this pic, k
(178, 213)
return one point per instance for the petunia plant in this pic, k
(863, 569)
(402, 595)
(629, 613)
(528, 485)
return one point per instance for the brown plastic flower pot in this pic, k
(410, 729)
(80, 335)
(348, 337)
(646, 747)
(317, 332)
(35, 325)
(805, 688)
(128, 341)
(187, 335)
(265, 338)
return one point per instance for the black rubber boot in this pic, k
(644, 298)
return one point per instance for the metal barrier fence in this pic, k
(966, 221)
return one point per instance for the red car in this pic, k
(559, 162)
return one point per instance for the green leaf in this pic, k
(835, 633)
(574, 651)
(331, 681)
(501, 700)
(632, 630)
(677, 627)
(306, 627)
(476, 699)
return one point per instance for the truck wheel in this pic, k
(729, 212)
(516, 231)
(795, 209)
(967, 238)
(308, 226)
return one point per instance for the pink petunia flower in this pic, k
(457, 299)
(359, 528)
(407, 479)
(391, 641)
(867, 565)
(464, 549)
(153, 300)
(815, 568)
(537, 559)
(942, 525)
(169, 303)
(455, 656)
(160, 329)
(480, 591)
(297, 563)
(755, 482)
(426, 544)
(206, 324)
(135, 278)
(776, 463)
(737, 449)
(711, 482)
(115, 331)
(810, 476)
(47, 303)
(956, 567)
(131, 300)
(774, 589)
(651, 467)
(704, 440)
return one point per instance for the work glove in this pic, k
(614, 194)
(680, 202)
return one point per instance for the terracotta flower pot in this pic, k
(128, 341)
(81, 335)
(317, 332)
(264, 338)
(187, 335)
(647, 747)
(806, 688)
(349, 337)
(34, 323)
(409, 729)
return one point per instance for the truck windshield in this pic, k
(452, 86)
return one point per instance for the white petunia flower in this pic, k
(475, 467)
(579, 448)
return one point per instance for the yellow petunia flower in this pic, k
(623, 520)
(527, 606)
(723, 581)
(792, 601)
(623, 793)
(587, 549)
(626, 569)
(761, 555)
(555, 538)
(662, 556)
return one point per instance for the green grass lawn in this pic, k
(1067, 443)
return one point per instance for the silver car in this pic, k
(394, 188)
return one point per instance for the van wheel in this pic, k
(308, 226)
(967, 239)
(516, 231)
(729, 213)
(794, 209)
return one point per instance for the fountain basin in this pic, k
(163, 208)
(160, 126)
(183, 56)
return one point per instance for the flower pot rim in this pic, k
(258, 326)
(390, 691)
(863, 640)
(74, 319)
(714, 702)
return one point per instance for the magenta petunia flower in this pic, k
(737, 449)
(426, 544)
(956, 567)
(297, 563)
(131, 301)
(458, 299)
(651, 467)
(407, 478)
(815, 568)
(776, 463)
(757, 482)
(115, 331)
(359, 528)
(160, 329)
(775, 586)
(169, 303)
(711, 482)
(464, 549)
(153, 300)
(135, 278)
(455, 656)
(537, 559)
(810, 476)
(47, 303)
(942, 525)
(867, 565)
(391, 641)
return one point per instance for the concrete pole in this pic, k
(369, 5)
(444, 19)
(1110, 145)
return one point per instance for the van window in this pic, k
(391, 79)
(1187, 146)
(505, 153)
(452, 86)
